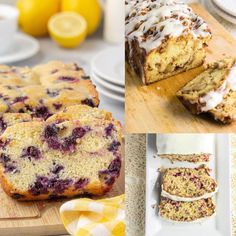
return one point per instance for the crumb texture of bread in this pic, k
(194, 158)
(45, 89)
(186, 211)
(213, 91)
(62, 157)
(188, 182)
(163, 38)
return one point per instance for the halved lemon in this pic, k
(68, 29)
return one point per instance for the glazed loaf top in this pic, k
(152, 22)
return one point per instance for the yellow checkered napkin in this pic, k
(87, 217)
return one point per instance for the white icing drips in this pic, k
(214, 98)
(187, 199)
(150, 22)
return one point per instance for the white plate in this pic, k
(109, 64)
(109, 94)
(24, 47)
(229, 6)
(106, 84)
(219, 225)
(222, 13)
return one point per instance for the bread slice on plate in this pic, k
(60, 158)
(193, 158)
(177, 211)
(188, 184)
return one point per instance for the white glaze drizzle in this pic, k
(152, 21)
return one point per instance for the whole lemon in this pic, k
(34, 15)
(89, 9)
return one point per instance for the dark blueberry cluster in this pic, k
(57, 106)
(88, 102)
(3, 125)
(43, 185)
(19, 99)
(42, 112)
(52, 93)
(109, 129)
(4, 143)
(31, 152)
(57, 168)
(113, 147)
(67, 78)
(7, 163)
(112, 172)
(66, 144)
(81, 183)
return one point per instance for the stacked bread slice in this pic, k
(186, 193)
(74, 152)
(213, 91)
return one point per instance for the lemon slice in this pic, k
(68, 29)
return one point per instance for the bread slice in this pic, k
(163, 38)
(9, 119)
(210, 88)
(177, 211)
(194, 158)
(47, 160)
(188, 184)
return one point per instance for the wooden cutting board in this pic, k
(155, 108)
(38, 218)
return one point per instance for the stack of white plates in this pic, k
(107, 72)
(226, 9)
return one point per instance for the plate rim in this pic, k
(111, 87)
(110, 95)
(4, 59)
(223, 8)
(101, 74)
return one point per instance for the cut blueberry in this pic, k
(31, 152)
(4, 158)
(51, 130)
(3, 125)
(78, 132)
(57, 105)
(88, 102)
(40, 186)
(52, 93)
(3, 144)
(56, 169)
(66, 78)
(114, 146)
(109, 129)
(42, 112)
(20, 99)
(59, 185)
(10, 168)
(81, 183)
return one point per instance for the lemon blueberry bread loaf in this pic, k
(194, 158)
(186, 211)
(163, 38)
(212, 91)
(45, 160)
(57, 86)
(188, 184)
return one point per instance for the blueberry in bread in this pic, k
(9, 119)
(163, 38)
(188, 184)
(178, 211)
(212, 91)
(45, 160)
(57, 86)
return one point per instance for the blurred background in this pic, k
(88, 32)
